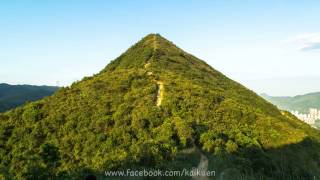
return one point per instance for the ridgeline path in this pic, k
(160, 92)
(160, 85)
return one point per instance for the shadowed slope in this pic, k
(12, 96)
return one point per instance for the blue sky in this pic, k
(269, 46)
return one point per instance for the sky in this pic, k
(270, 46)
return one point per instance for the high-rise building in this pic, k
(314, 114)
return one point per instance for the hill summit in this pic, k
(156, 106)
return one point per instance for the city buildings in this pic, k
(314, 114)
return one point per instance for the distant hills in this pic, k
(12, 96)
(301, 103)
(156, 107)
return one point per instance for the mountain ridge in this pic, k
(14, 95)
(301, 103)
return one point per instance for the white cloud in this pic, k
(306, 42)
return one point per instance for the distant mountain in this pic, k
(12, 96)
(156, 107)
(301, 103)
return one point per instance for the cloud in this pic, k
(306, 42)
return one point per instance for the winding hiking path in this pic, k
(203, 163)
(202, 166)
(160, 85)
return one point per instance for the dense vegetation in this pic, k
(15, 95)
(110, 121)
(301, 103)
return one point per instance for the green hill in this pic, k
(15, 95)
(301, 103)
(156, 106)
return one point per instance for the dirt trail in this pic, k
(147, 65)
(160, 92)
(160, 85)
(154, 42)
(202, 166)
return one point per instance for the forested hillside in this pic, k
(15, 95)
(301, 103)
(114, 120)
